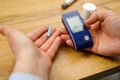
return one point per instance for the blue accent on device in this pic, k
(77, 30)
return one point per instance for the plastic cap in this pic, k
(87, 9)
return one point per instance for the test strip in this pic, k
(49, 31)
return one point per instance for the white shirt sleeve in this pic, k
(23, 76)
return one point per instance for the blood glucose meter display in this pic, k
(75, 24)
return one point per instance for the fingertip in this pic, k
(63, 31)
(70, 43)
(35, 34)
(0, 28)
(53, 29)
(59, 39)
(59, 32)
(87, 49)
(62, 37)
(3, 30)
(65, 37)
(92, 19)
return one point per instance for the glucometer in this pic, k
(77, 30)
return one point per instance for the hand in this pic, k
(104, 27)
(33, 58)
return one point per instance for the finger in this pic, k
(9, 32)
(95, 26)
(48, 43)
(12, 34)
(63, 31)
(4, 30)
(54, 47)
(87, 49)
(1, 30)
(34, 35)
(96, 16)
(70, 43)
(17, 40)
(43, 38)
(65, 37)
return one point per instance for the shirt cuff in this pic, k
(23, 76)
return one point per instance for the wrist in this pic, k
(31, 66)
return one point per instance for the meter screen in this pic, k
(75, 24)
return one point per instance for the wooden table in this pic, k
(68, 64)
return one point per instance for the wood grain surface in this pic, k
(68, 64)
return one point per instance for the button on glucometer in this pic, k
(86, 37)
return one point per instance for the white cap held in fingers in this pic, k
(87, 9)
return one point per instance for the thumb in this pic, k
(96, 16)
(16, 39)
(4, 30)
(13, 34)
(7, 31)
